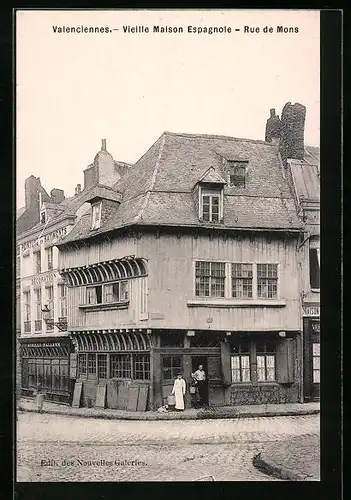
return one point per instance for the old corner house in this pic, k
(191, 257)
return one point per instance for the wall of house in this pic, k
(171, 282)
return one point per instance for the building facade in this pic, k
(190, 258)
(46, 349)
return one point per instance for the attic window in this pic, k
(42, 217)
(96, 215)
(237, 173)
(210, 205)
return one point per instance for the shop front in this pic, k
(311, 331)
(241, 367)
(45, 363)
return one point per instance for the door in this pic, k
(196, 361)
(215, 382)
(311, 359)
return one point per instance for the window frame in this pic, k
(239, 355)
(314, 280)
(212, 277)
(240, 279)
(211, 194)
(264, 354)
(96, 210)
(50, 258)
(174, 369)
(37, 261)
(269, 280)
(123, 289)
(233, 164)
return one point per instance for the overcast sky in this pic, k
(75, 89)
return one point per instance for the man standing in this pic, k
(200, 377)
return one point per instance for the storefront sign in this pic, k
(44, 278)
(311, 310)
(50, 237)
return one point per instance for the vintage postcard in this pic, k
(167, 245)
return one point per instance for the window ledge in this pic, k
(208, 302)
(99, 307)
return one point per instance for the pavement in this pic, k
(52, 447)
(244, 411)
(296, 459)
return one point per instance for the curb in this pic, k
(277, 471)
(170, 416)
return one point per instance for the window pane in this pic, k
(260, 362)
(218, 269)
(245, 362)
(316, 349)
(316, 377)
(217, 287)
(316, 363)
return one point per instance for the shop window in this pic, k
(141, 367)
(209, 279)
(242, 280)
(316, 362)
(91, 371)
(314, 268)
(240, 362)
(170, 339)
(171, 366)
(120, 366)
(102, 366)
(82, 364)
(265, 358)
(267, 281)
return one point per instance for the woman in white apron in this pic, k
(178, 390)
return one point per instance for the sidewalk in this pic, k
(296, 459)
(246, 411)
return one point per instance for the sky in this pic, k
(73, 89)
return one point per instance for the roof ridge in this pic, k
(153, 180)
(214, 136)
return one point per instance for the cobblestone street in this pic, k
(60, 448)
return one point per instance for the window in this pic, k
(42, 217)
(94, 294)
(37, 261)
(38, 307)
(141, 367)
(171, 366)
(242, 280)
(315, 362)
(265, 356)
(82, 364)
(27, 311)
(50, 303)
(121, 366)
(102, 365)
(96, 216)
(240, 362)
(49, 254)
(237, 173)
(63, 300)
(314, 268)
(209, 279)
(210, 205)
(91, 364)
(267, 281)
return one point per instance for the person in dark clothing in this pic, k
(200, 377)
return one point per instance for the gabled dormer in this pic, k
(209, 196)
(104, 201)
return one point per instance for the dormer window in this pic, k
(237, 173)
(96, 215)
(210, 208)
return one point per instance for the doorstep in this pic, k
(244, 411)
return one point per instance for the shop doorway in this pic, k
(196, 361)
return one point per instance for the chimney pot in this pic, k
(272, 111)
(103, 144)
(79, 188)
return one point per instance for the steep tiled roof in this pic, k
(158, 189)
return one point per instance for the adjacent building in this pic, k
(45, 344)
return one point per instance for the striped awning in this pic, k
(111, 341)
(110, 270)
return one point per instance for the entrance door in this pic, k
(196, 361)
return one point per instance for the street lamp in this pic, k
(49, 321)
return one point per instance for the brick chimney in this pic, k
(292, 131)
(57, 195)
(273, 128)
(32, 187)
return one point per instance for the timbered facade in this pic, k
(194, 260)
